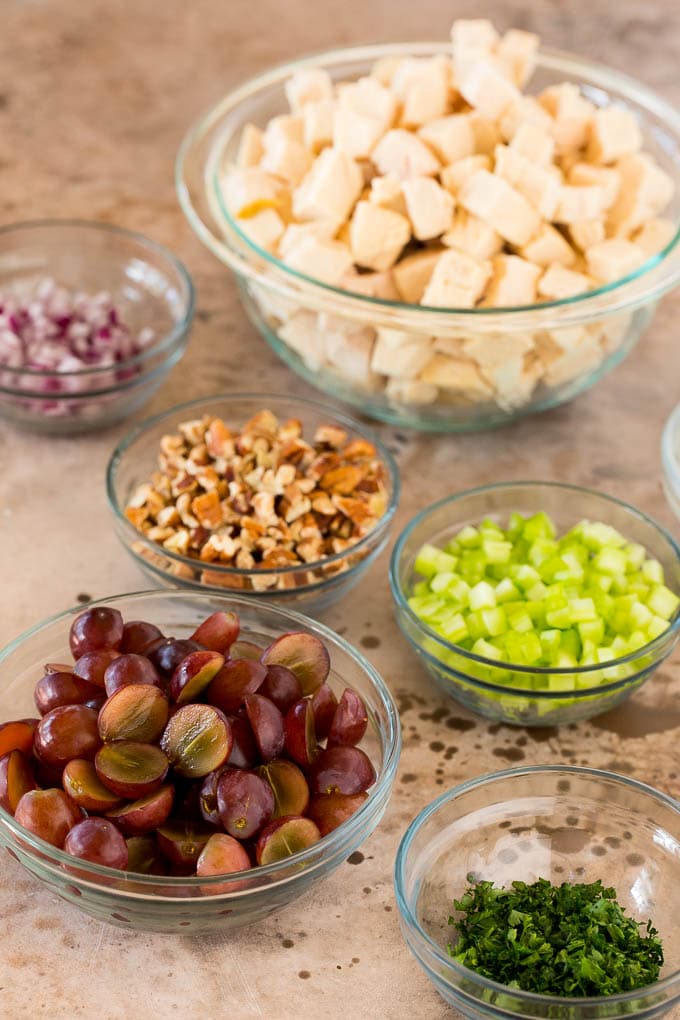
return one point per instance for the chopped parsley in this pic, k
(571, 940)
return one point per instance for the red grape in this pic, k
(284, 837)
(82, 784)
(267, 725)
(300, 735)
(94, 629)
(282, 687)
(49, 814)
(140, 638)
(130, 669)
(167, 656)
(16, 779)
(349, 722)
(99, 841)
(56, 689)
(341, 770)
(218, 632)
(222, 855)
(67, 732)
(93, 665)
(245, 802)
(235, 681)
(324, 703)
(304, 654)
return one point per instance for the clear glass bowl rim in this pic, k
(341, 417)
(93, 871)
(586, 304)
(400, 599)
(442, 957)
(166, 343)
(670, 439)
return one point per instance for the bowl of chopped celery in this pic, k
(537, 603)
(546, 892)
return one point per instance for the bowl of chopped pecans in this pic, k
(265, 496)
(445, 235)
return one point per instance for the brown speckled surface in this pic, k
(94, 99)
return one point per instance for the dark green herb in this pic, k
(572, 940)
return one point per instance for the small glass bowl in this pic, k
(481, 684)
(149, 286)
(189, 905)
(670, 460)
(310, 587)
(563, 824)
(320, 331)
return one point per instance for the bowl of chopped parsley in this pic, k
(546, 892)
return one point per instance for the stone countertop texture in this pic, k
(94, 99)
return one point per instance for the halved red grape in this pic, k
(244, 751)
(16, 779)
(218, 632)
(235, 681)
(99, 841)
(182, 842)
(82, 784)
(341, 770)
(266, 723)
(130, 669)
(49, 814)
(289, 786)
(329, 810)
(207, 798)
(284, 837)
(136, 712)
(17, 735)
(94, 629)
(324, 703)
(93, 665)
(131, 769)
(245, 802)
(56, 689)
(193, 675)
(144, 857)
(197, 740)
(242, 649)
(222, 855)
(281, 686)
(67, 732)
(167, 656)
(145, 814)
(304, 654)
(58, 667)
(140, 638)
(349, 722)
(300, 735)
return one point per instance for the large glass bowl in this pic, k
(311, 325)
(310, 587)
(670, 460)
(563, 824)
(149, 287)
(513, 693)
(189, 905)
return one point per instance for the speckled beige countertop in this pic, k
(94, 99)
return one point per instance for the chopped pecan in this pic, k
(330, 435)
(207, 509)
(342, 480)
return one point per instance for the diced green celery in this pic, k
(592, 630)
(490, 527)
(454, 629)
(475, 625)
(574, 554)
(565, 660)
(515, 524)
(556, 599)
(506, 591)
(494, 621)
(520, 621)
(542, 549)
(425, 607)
(525, 576)
(442, 582)
(635, 554)
(513, 646)
(604, 604)
(610, 561)
(563, 682)
(472, 566)
(605, 653)
(431, 561)
(487, 650)
(620, 585)
(536, 610)
(638, 639)
(597, 535)
(559, 618)
(663, 602)
(552, 567)
(537, 591)
(482, 596)
(639, 590)
(620, 646)
(570, 642)
(469, 537)
(601, 581)
(550, 643)
(656, 626)
(538, 526)
(496, 551)
(582, 610)
(652, 572)
(459, 591)
(531, 647)
(421, 588)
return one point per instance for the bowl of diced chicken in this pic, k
(449, 235)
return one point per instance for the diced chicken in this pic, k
(422, 84)
(386, 192)
(248, 190)
(645, 191)
(534, 143)
(605, 177)
(508, 362)
(250, 146)
(410, 391)
(527, 110)
(453, 177)
(287, 126)
(613, 259)
(317, 122)
(400, 354)
(558, 282)
(429, 207)
(614, 132)
(513, 282)
(356, 133)
(323, 260)
(458, 375)
(472, 235)
(412, 274)
(366, 109)
(285, 158)
(540, 186)
(472, 40)
(579, 202)
(586, 233)
(572, 115)
(451, 138)
(548, 246)
(458, 281)
(501, 206)
(383, 70)
(265, 228)
(308, 85)
(330, 189)
(403, 154)
(348, 347)
(377, 236)
(517, 52)
(375, 285)
(580, 353)
(655, 235)
(297, 232)
(487, 89)
(486, 132)
(301, 334)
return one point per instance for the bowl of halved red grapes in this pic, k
(184, 762)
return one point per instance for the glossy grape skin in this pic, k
(49, 814)
(289, 786)
(168, 655)
(130, 669)
(97, 840)
(304, 654)
(330, 810)
(284, 837)
(207, 800)
(145, 814)
(81, 782)
(65, 733)
(324, 703)
(193, 675)
(222, 855)
(349, 722)
(131, 768)
(56, 689)
(16, 779)
(140, 638)
(17, 735)
(144, 857)
(134, 712)
(94, 629)
(237, 679)
(341, 770)
(266, 723)
(244, 752)
(282, 687)
(218, 632)
(181, 842)
(245, 802)
(300, 735)
(93, 665)
(197, 740)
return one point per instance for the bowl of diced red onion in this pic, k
(92, 318)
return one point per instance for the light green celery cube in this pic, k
(454, 629)
(515, 524)
(537, 591)
(637, 640)
(563, 682)
(536, 610)
(428, 560)
(604, 604)
(550, 568)
(542, 549)
(597, 535)
(482, 596)
(420, 589)
(550, 643)
(538, 526)
(494, 621)
(556, 599)
(663, 602)
(592, 631)
(472, 566)
(559, 618)
(582, 610)
(475, 625)
(425, 607)
(600, 581)
(657, 626)
(487, 650)
(570, 642)
(458, 591)
(620, 646)
(469, 537)
(574, 555)
(532, 650)
(620, 585)
(635, 554)
(496, 551)
(506, 591)
(520, 622)
(652, 572)
(441, 581)
(605, 653)
(590, 679)
(610, 561)
(525, 576)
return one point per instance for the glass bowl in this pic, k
(509, 692)
(316, 328)
(189, 905)
(149, 287)
(311, 587)
(563, 824)
(670, 460)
